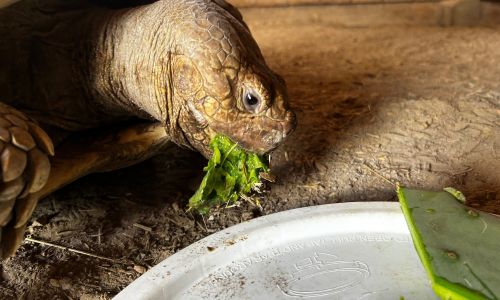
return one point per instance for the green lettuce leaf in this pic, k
(230, 173)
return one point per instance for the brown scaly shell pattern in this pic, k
(24, 161)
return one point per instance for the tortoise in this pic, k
(93, 86)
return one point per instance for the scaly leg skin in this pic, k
(25, 168)
(83, 154)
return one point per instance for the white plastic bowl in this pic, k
(336, 251)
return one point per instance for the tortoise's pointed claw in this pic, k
(39, 171)
(13, 162)
(42, 139)
(22, 139)
(24, 209)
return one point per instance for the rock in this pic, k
(140, 269)
(54, 282)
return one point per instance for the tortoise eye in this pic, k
(251, 101)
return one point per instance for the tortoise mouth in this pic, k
(260, 138)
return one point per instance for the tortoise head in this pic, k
(226, 86)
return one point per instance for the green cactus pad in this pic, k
(459, 246)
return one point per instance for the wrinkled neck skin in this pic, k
(129, 64)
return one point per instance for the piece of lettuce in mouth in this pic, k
(230, 173)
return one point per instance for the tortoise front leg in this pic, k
(84, 154)
(100, 151)
(24, 170)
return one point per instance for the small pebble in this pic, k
(54, 282)
(140, 269)
(65, 284)
(246, 216)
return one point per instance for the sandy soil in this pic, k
(376, 106)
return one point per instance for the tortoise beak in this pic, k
(273, 137)
(288, 125)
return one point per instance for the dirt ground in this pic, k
(376, 106)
